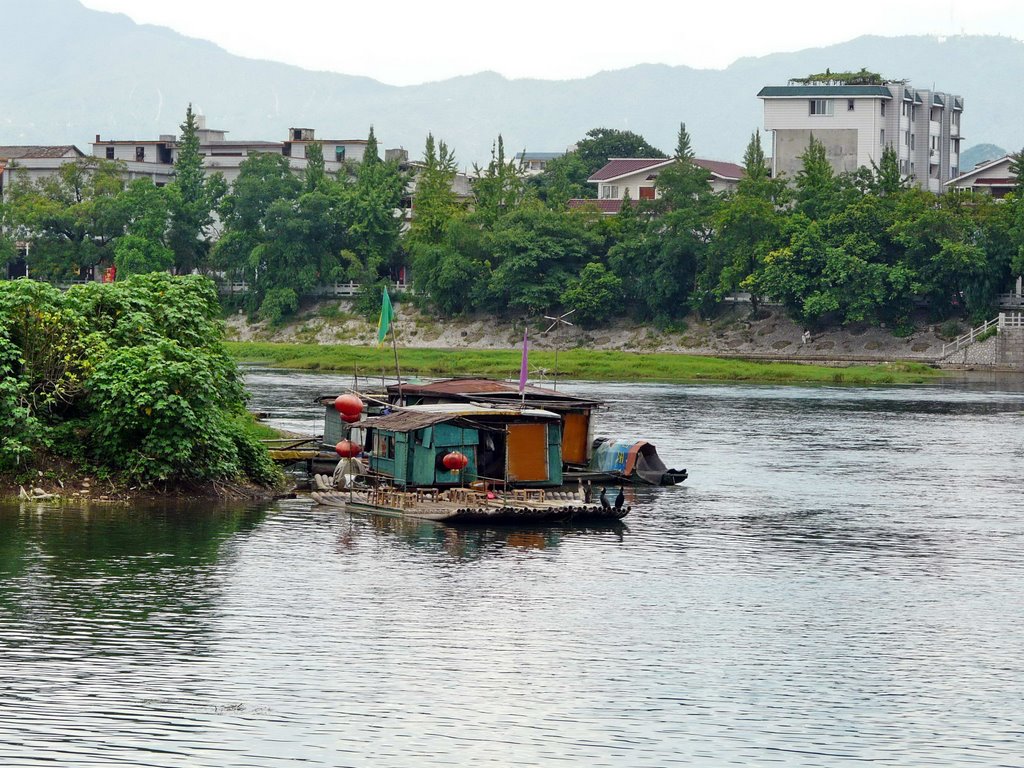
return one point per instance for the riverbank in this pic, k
(576, 364)
(734, 334)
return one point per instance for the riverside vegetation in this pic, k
(128, 383)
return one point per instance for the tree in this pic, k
(314, 173)
(434, 200)
(142, 248)
(564, 178)
(601, 144)
(887, 179)
(817, 188)
(70, 219)
(193, 197)
(373, 218)
(500, 187)
(595, 295)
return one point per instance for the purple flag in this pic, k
(525, 367)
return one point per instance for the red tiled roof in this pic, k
(721, 169)
(604, 206)
(620, 166)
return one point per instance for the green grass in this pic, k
(575, 364)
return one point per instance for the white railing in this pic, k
(969, 337)
(1011, 319)
(1011, 300)
(335, 290)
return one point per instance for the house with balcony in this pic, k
(992, 178)
(856, 118)
(636, 178)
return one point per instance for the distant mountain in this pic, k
(978, 154)
(71, 73)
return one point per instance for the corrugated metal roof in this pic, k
(803, 91)
(470, 388)
(420, 416)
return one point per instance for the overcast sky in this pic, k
(411, 41)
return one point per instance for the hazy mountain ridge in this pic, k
(95, 72)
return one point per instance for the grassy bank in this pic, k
(576, 364)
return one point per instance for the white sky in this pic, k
(413, 41)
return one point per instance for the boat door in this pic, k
(526, 453)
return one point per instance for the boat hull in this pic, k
(469, 508)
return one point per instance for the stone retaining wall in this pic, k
(1010, 348)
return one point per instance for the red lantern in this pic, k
(347, 449)
(350, 407)
(455, 461)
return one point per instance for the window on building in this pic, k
(140, 154)
(609, 192)
(646, 193)
(904, 110)
(906, 138)
(911, 167)
(881, 137)
(110, 153)
(956, 118)
(849, 105)
(883, 109)
(912, 142)
(913, 113)
(820, 107)
(339, 154)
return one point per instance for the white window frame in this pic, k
(821, 108)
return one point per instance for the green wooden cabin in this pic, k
(520, 447)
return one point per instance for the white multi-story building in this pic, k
(856, 122)
(155, 158)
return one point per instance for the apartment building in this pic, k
(855, 123)
(155, 158)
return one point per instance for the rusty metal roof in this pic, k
(420, 416)
(470, 388)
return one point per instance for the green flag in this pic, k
(387, 314)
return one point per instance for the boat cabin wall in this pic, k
(430, 445)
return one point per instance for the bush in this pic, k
(132, 375)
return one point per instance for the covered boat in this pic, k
(633, 461)
(498, 446)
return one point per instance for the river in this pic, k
(840, 582)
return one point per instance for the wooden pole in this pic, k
(398, 371)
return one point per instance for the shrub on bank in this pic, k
(131, 377)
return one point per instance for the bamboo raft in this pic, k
(465, 505)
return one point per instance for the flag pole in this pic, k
(398, 371)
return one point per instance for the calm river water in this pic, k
(840, 582)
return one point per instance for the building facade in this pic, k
(855, 123)
(155, 158)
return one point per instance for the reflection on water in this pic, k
(838, 583)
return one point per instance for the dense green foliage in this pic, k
(831, 248)
(131, 378)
